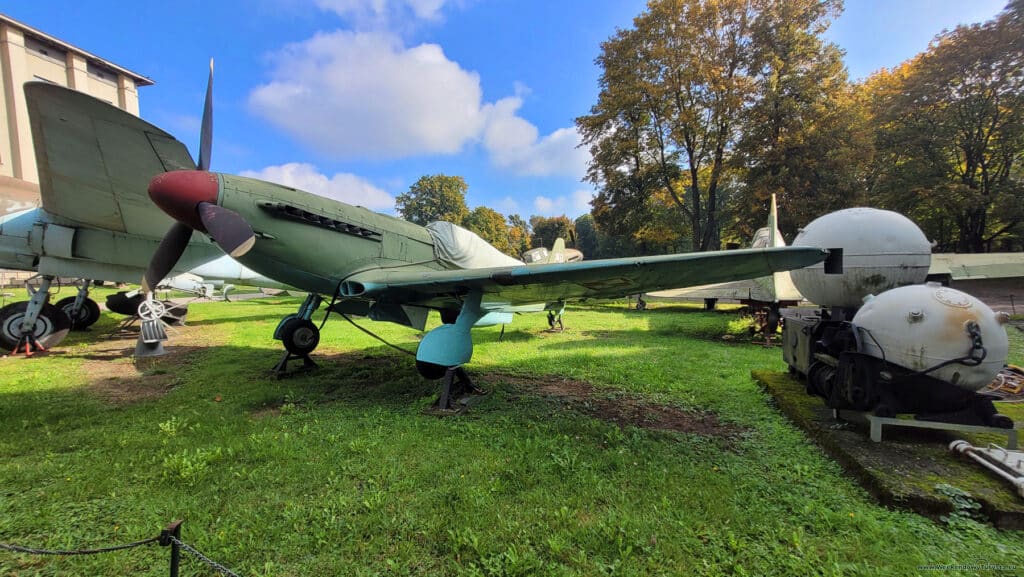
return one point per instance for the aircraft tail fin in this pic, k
(557, 251)
(774, 236)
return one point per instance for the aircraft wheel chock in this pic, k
(52, 325)
(87, 315)
(300, 336)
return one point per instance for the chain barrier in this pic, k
(31, 551)
(195, 553)
(170, 536)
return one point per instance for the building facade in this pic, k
(26, 55)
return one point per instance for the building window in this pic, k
(45, 50)
(101, 72)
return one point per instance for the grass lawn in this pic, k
(341, 472)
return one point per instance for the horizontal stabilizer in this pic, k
(95, 160)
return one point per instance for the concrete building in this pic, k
(27, 54)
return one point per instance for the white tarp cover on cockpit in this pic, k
(456, 247)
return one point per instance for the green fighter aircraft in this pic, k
(367, 263)
(389, 269)
(95, 162)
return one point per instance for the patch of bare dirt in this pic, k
(266, 412)
(624, 410)
(117, 378)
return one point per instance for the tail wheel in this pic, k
(51, 326)
(87, 315)
(300, 336)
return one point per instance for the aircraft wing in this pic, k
(95, 160)
(546, 283)
(774, 288)
(738, 290)
(978, 266)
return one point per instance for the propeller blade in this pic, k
(166, 256)
(206, 133)
(229, 230)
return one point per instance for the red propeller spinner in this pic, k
(179, 193)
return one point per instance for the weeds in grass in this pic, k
(340, 472)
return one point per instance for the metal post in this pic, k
(172, 530)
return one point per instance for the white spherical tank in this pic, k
(921, 326)
(881, 250)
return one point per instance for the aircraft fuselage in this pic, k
(318, 242)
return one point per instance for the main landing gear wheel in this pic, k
(88, 314)
(51, 326)
(300, 336)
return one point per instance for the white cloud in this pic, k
(543, 204)
(514, 144)
(367, 95)
(345, 187)
(370, 12)
(581, 200)
(572, 205)
(508, 205)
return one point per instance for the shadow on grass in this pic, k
(377, 378)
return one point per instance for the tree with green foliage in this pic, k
(491, 226)
(434, 197)
(586, 235)
(805, 137)
(673, 92)
(547, 229)
(518, 235)
(950, 134)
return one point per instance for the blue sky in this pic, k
(356, 99)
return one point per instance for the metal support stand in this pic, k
(281, 369)
(554, 319)
(38, 298)
(456, 383)
(877, 423)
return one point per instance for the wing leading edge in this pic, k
(519, 285)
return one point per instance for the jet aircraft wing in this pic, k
(546, 283)
(95, 161)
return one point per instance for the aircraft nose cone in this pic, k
(179, 192)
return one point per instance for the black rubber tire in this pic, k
(122, 305)
(51, 326)
(87, 315)
(300, 336)
(772, 320)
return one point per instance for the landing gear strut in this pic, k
(35, 325)
(299, 335)
(82, 310)
(554, 319)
